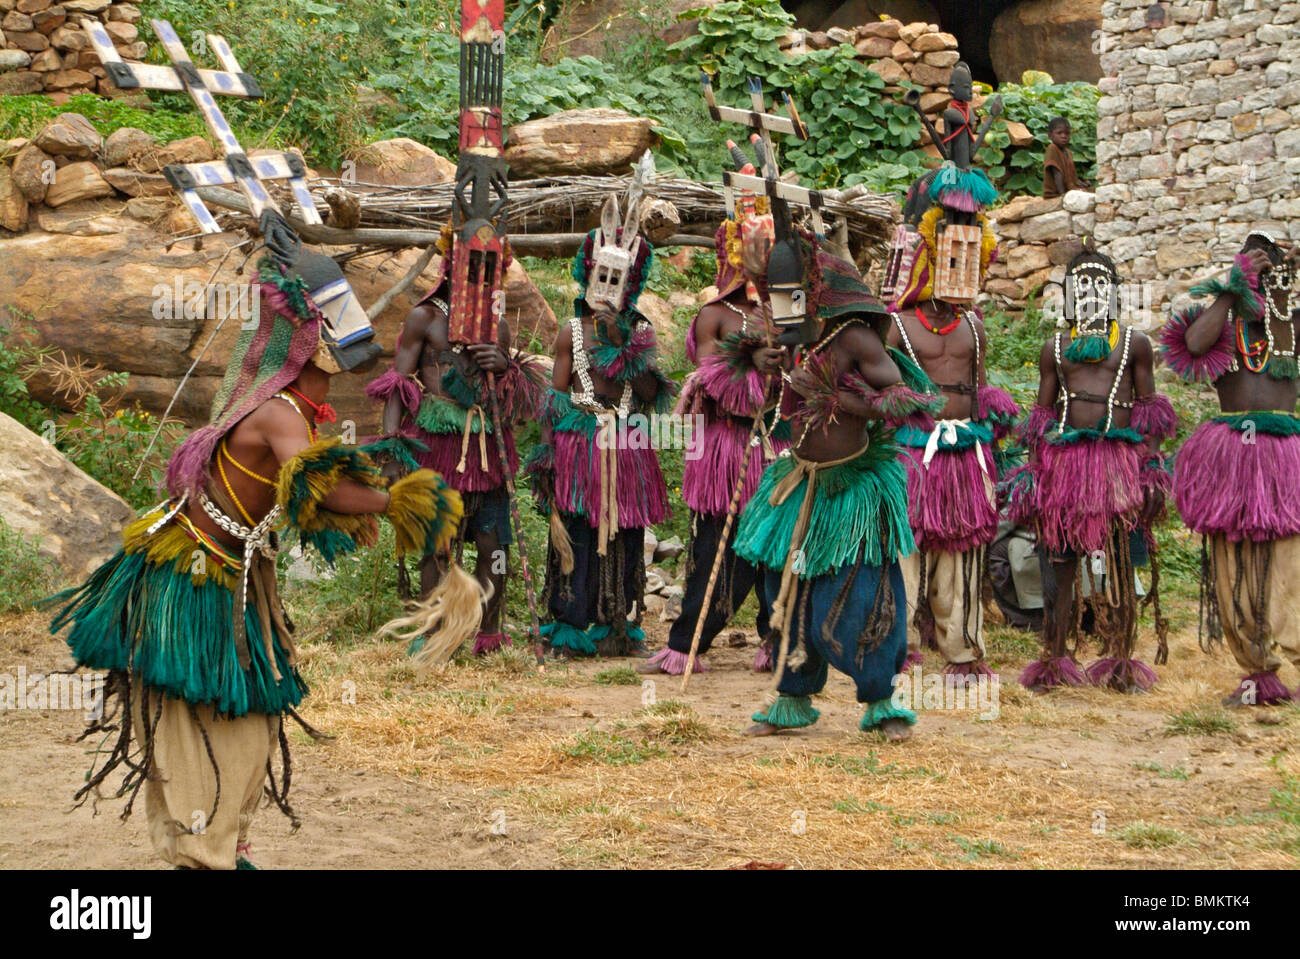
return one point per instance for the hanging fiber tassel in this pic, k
(561, 543)
(447, 618)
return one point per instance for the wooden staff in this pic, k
(498, 429)
(732, 508)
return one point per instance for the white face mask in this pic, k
(614, 254)
(1091, 297)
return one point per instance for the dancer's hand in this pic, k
(769, 359)
(1259, 261)
(489, 357)
(803, 382)
(608, 320)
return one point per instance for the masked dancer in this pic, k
(1237, 477)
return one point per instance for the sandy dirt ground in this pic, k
(487, 764)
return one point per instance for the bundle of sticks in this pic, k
(551, 216)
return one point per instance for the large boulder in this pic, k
(1051, 35)
(44, 495)
(590, 142)
(105, 288)
(401, 162)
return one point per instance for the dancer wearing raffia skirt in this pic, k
(595, 473)
(186, 618)
(829, 520)
(1237, 477)
(1095, 474)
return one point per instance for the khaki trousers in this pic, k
(182, 787)
(1283, 601)
(948, 602)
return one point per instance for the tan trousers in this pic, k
(947, 602)
(1283, 601)
(182, 787)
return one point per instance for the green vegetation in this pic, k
(974, 849)
(610, 749)
(25, 574)
(94, 426)
(1199, 721)
(1145, 835)
(312, 59)
(618, 676)
(23, 116)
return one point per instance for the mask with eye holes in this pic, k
(1091, 293)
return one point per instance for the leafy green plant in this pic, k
(19, 358)
(25, 574)
(1019, 170)
(109, 440)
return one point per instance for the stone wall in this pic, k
(1198, 135)
(43, 48)
(919, 54)
(1036, 238)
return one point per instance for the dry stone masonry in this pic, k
(43, 48)
(1198, 136)
(919, 54)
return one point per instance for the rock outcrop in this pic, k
(401, 162)
(43, 48)
(1053, 35)
(592, 142)
(105, 288)
(43, 495)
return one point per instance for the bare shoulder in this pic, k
(275, 418)
(709, 319)
(427, 322)
(564, 339)
(861, 341)
(1141, 344)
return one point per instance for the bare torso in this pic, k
(954, 360)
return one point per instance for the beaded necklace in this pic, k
(1111, 403)
(941, 331)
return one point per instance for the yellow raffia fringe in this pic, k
(171, 545)
(988, 243)
(733, 244)
(448, 617)
(310, 516)
(417, 498)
